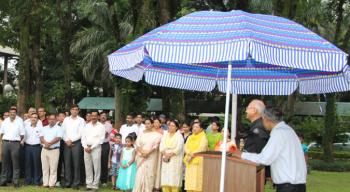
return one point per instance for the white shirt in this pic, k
(32, 134)
(12, 130)
(50, 133)
(125, 130)
(284, 153)
(140, 128)
(72, 128)
(108, 130)
(93, 135)
(27, 122)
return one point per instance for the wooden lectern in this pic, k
(240, 175)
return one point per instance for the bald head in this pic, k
(258, 105)
(255, 110)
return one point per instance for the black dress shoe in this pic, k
(66, 186)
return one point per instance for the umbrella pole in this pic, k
(227, 110)
(234, 118)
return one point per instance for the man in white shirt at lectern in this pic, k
(282, 152)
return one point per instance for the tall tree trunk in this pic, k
(36, 44)
(37, 71)
(329, 128)
(345, 45)
(142, 18)
(175, 6)
(24, 66)
(135, 5)
(242, 5)
(330, 117)
(125, 96)
(115, 20)
(339, 20)
(164, 11)
(65, 26)
(165, 92)
(291, 100)
(277, 7)
(177, 103)
(118, 109)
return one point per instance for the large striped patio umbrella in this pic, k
(237, 52)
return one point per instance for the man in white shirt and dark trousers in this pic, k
(72, 128)
(12, 132)
(50, 137)
(32, 151)
(105, 148)
(282, 152)
(92, 138)
(128, 128)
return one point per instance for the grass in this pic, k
(317, 181)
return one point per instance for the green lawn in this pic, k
(317, 181)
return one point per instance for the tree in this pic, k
(330, 117)
(65, 23)
(109, 27)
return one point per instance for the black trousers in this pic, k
(22, 161)
(33, 171)
(104, 162)
(287, 187)
(72, 161)
(60, 161)
(10, 153)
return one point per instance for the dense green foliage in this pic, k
(336, 166)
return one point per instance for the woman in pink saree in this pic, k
(147, 147)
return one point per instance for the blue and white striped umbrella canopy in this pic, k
(269, 55)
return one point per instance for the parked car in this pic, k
(338, 146)
(344, 145)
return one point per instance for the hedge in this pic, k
(337, 155)
(336, 166)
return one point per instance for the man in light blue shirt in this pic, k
(50, 137)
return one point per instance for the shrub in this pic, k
(317, 154)
(337, 166)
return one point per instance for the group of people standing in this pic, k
(54, 144)
(145, 154)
